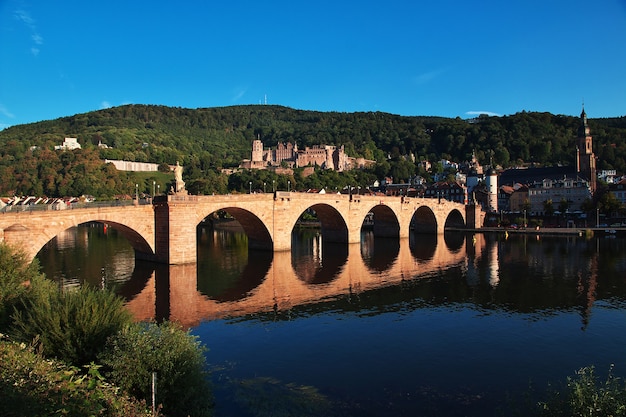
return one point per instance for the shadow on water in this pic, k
(454, 240)
(423, 245)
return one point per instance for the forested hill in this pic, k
(212, 138)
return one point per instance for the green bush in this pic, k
(587, 396)
(72, 326)
(33, 386)
(15, 275)
(176, 356)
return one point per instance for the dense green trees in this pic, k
(207, 140)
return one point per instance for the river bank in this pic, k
(559, 231)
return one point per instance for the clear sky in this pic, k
(410, 57)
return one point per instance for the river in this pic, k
(455, 325)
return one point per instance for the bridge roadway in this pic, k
(165, 231)
(278, 287)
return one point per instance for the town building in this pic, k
(572, 191)
(573, 184)
(451, 191)
(619, 191)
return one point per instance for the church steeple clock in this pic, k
(586, 160)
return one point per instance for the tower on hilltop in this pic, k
(585, 158)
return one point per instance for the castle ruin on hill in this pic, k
(323, 156)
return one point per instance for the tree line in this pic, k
(206, 140)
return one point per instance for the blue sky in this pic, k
(443, 58)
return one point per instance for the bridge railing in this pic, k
(71, 206)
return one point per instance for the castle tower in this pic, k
(585, 158)
(257, 151)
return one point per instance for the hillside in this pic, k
(206, 140)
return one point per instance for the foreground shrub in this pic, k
(176, 356)
(33, 386)
(587, 396)
(15, 275)
(72, 326)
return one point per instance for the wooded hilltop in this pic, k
(207, 140)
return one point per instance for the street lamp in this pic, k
(273, 186)
(263, 187)
(153, 184)
(159, 188)
(289, 186)
(137, 193)
(250, 187)
(524, 219)
(598, 217)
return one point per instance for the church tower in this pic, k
(585, 158)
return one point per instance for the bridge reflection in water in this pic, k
(281, 280)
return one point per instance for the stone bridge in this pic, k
(166, 230)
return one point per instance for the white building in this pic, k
(68, 144)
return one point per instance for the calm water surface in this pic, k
(461, 325)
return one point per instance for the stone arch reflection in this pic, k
(379, 253)
(227, 269)
(423, 246)
(314, 260)
(454, 240)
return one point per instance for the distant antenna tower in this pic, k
(266, 99)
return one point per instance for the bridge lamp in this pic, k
(137, 192)
(263, 187)
(153, 184)
(250, 187)
(273, 186)
(289, 186)
(159, 188)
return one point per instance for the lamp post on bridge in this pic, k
(288, 186)
(137, 193)
(273, 186)
(263, 187)
(250, 187)
(153, 184)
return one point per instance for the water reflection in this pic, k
(314, 260)
(429, 325)
(227, 271)
(521, 273)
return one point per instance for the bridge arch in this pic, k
(333, 225)
(385, 220)
(32, 231)
(454, 219)
(424, 221)
(258, 235)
